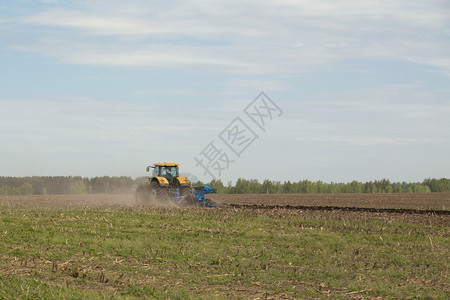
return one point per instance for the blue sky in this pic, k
(96, 88)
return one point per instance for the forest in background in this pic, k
(58, 185)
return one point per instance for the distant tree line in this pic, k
(55, 185)
(253, 186)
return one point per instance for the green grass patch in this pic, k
(128, 253)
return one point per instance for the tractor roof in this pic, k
(165, 164)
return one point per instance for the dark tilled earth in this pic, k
(423, 201)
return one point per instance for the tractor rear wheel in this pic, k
(189, 197)
(159, 195)
(163, 196)
(154, 187)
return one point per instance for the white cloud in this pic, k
(250, 36)
(378, 140)
(395, 115)
(95, 24)
(50, 1)
(238, 86)
(173, 92)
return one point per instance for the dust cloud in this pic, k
(78, 201)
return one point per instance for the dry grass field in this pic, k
(108, 246)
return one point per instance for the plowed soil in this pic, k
(420, 201)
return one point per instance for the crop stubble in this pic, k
(342, 227)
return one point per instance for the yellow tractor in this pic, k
(166, 187)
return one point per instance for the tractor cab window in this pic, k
(173, 171)
(156, 171)
(169, 171)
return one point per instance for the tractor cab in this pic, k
(166, 170)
